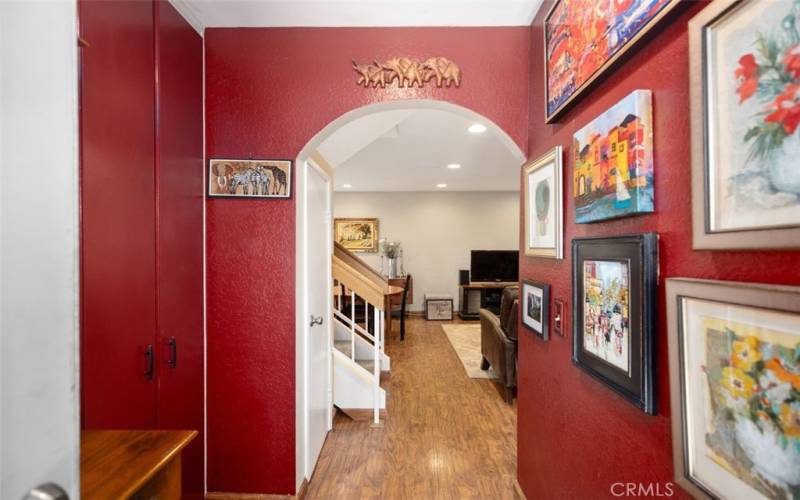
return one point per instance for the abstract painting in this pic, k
(745, 69)
(739, 360)
(614, 297)
(356, 235)
(613, 174)
(584, 38)
(544, 206)
(249, 178)
(606, 324)
(536, 307)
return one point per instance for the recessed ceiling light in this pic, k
(347, 186)
(441, 186)
(477, 128)
(454, 166)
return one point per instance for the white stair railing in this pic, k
(376, 339)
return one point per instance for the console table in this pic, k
(476, 296)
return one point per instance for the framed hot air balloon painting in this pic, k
(544, 206)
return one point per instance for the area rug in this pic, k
(466, 341)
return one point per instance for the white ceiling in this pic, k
(409, 150)
(276, 13)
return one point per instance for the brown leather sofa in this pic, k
(499, 341)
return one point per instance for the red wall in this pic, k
(577, 437)
(268, 92)
(179, 229)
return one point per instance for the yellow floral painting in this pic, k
(753, 426)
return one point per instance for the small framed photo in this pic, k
(356, 235)
(734, 365)
(614, 287)
(536, 307)
(544, 206)
(438, 308)
(743, 70)
(249, 178)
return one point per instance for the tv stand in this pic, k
(476, 296)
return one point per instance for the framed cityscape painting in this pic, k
(536, 307)
(613, 161)
(584, 38)
(614, 287)
(249, 178)
(356, 235)
(734, 354)
(745, 118)
(544, 206)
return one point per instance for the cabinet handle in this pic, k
(173, 352)
(149, 365)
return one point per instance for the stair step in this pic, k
(344, 346)
(367, 364)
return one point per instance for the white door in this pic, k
(39, 428)
(318, 292)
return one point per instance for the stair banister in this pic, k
(376, 366)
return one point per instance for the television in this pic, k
(494, 266)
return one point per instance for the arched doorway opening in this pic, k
(318, 162)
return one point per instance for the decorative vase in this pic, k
(392, 272)
(784, 169)
(778, 464)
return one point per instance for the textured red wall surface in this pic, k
(576, 436)
(268, 92)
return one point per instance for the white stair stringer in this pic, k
(353, 383)
(363, 347)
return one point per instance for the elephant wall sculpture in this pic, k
(408, 72)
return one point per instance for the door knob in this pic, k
(48, 491)
(316, 320)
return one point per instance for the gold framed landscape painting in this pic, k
(734, 354)
(356, 235)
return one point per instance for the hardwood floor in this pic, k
(446, 436)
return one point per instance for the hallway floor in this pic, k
(446, 436)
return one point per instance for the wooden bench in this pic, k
(132, 464)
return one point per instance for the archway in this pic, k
(311, 152)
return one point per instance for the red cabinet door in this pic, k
(179, 174)
(117, 214)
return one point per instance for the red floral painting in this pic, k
(582, 37)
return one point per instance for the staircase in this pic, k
(359, 325)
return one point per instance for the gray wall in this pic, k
(437, 229)
(39, 428)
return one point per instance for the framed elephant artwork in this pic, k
(249, 178)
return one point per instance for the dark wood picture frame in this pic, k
(545, 305)
(612, 62)
(287, 187)
(704, 236)
(640, 253)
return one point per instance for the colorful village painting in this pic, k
(613, 174)
(582, 36)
